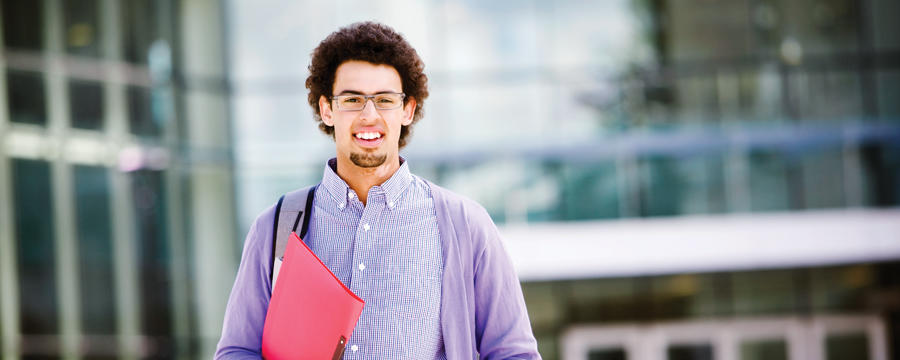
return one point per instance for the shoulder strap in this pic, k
(291, 211)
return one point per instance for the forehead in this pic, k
(366, 77)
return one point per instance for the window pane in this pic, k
(150, 211)
(82, 32)
(881, 174)
(26, 97)
(607, 354)
(708, 32)
(764, 350)
(140, 113)
(23, 26)
(139, 18)
(661, 187)
(36, 250)
(682, 185)
(847, 347)
(823, 179)
(98, 305)
(768, 182)
(837, 95)
(589, 192)
(888, 88)
(765, 292)
(86, 104)
(690, 352)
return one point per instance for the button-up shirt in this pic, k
(388, 252)
(482, 310)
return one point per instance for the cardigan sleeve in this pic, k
(245, 313)
(502, 327)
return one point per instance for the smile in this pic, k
(368, 135)
(368, 138)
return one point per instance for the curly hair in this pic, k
(374, 43)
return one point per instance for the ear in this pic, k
(325, 111)
(409, 110)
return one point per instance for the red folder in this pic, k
(311, 314)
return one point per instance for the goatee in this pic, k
(367, 160)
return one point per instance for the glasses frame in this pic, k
(367, 98)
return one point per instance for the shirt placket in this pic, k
(363, 268)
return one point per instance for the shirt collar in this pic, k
(397, 184)
(393, 188)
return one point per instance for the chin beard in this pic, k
(367, 160)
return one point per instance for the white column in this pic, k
(68, 300)
(125, 264)
(9, 291)
(212, 229)
(125, 274)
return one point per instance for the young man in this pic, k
(429, 264)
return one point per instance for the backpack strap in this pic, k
(292, 211)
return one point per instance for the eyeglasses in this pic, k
(356, 102)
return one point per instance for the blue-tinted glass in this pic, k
(98, 305)
(673, 185)
(34, 224)
(25, 93)
(768, 179)
(23, 26)
(140, 112)
(588, 191)
(86, 104)
(148, 191)
(662, 187)
(823, 178)
(888, 89)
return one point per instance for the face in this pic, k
(369, 137)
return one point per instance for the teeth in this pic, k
(368, 135)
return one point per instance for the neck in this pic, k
(362, 179)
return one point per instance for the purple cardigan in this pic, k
(482, 308)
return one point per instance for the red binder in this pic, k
(311, 314)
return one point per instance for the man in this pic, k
(429, 264)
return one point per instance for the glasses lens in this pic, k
(387, 101)
(351, 102)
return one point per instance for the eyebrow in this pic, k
(357, 92)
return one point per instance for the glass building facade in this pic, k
(114, 150)
(635, 108)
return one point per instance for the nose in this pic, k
(369, 112)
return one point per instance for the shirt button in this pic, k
(341, 206)
(351, 194)
(366, 227)
(354, 348)
(362, 266)
(391, 204)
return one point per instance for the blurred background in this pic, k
(692, 179)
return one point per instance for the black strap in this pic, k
(309, 204)
(297, 219)
(275, 235)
